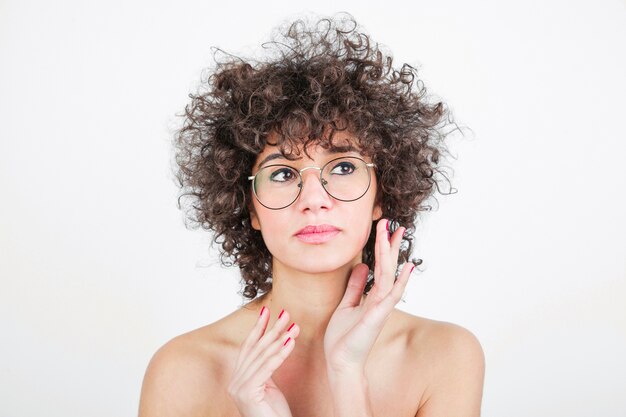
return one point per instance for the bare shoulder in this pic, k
(444, 339)
(452, 360)
(186, 376)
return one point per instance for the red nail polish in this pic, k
(281, 313)
(412, 268)
(286, 341)
(292, 324)
(262, 310)
(387, 225)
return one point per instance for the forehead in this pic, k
(342, 142)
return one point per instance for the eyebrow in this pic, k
(334, 150)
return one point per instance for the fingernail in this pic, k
(262, 310)
(412, 268)
(292, 324)
(286, 341)
(281, 313)
(387, 225)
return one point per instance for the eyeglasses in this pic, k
(345, 179)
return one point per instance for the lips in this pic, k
(317, 234)
(317, 229)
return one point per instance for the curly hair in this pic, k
(315, 79)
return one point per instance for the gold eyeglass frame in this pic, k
(368, 165)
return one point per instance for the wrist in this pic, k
(350, 394)
(346, 376)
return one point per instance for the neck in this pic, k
(310, 298)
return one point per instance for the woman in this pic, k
(298, 164)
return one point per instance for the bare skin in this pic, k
(416, 367)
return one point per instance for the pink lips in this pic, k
(317, 234)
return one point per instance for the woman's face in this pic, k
(347, 223)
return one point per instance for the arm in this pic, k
(351, 397)
(456, 380)
(459, 369)
(357, 322)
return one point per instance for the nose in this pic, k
(313, 196)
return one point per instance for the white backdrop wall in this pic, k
(98, 271)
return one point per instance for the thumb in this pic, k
(356, 284)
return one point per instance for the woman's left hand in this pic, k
(355, 325)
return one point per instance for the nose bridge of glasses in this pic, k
(319, 176)
(311, 167)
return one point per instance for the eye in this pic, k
(283, 175)
(343, 168)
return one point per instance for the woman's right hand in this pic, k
(251, 386)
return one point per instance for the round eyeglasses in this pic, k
(345, 179)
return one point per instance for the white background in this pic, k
(98, 270)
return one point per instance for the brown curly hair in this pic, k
(317, 78)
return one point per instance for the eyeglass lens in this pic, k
(345, 179)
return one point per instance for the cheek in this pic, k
(273, 231)
(362, 224)
(366, 229)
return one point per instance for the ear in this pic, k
(254, 219)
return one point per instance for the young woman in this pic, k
(299, 163)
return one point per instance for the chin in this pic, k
(320, 258)
(322, 262)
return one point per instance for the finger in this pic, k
(258, 369)
(400, 285)
(258, 380)
(377, 247)
(382, 247)
(255, 334)
(395, 295)
(383, 267)
(396, 238)
(268, 338)
(389, 261)
(247, 377)
(356, 284)
(395, 242)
